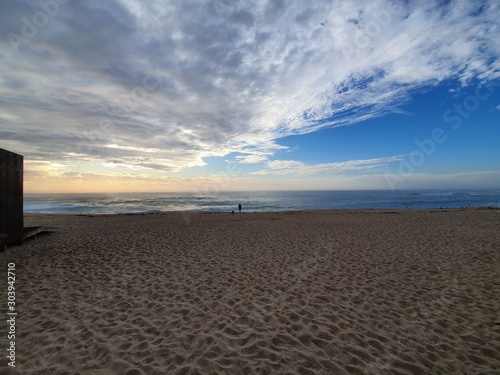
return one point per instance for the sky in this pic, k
(223, 95)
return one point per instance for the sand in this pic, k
(311, 292)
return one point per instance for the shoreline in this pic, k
(440, 209)
(272, 201)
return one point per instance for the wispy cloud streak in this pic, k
(292, 167)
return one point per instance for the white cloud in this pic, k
(251, 159)
(194, 79)
(297, 168)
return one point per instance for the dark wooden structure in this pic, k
(11, 198)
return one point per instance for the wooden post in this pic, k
(11, 197)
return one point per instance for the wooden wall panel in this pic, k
(11, 197)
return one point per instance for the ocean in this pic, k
(121, 203)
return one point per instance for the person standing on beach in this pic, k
(239, 207)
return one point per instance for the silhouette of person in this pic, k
(239, 207)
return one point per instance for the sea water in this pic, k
(258, 201)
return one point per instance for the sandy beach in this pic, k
(304, 292)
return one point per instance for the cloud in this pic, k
(251, 159)
(297, 168)
(498, 107)
(194, 79)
